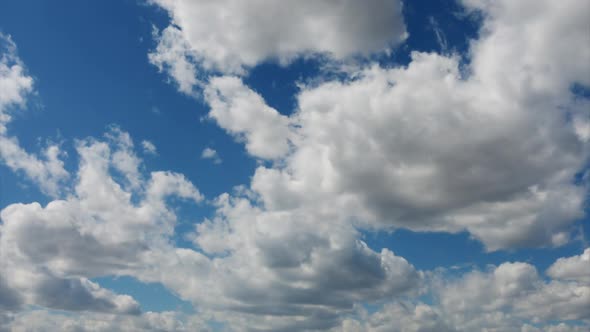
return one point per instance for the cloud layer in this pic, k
(15, 85)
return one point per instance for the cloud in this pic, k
(149, 148)
(173, 57)
(400, 317)
(81, 295)
(433, 146)
(231, 35)
(245, 115)
(508, 297)
(9, 298)
(47, 254)
(489, 148)
(209, 153)
(576, 268)
(43, 320)
(15, 85)
(275, 271)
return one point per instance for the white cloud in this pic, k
(149, 148)
(43, 320)
(278, 271)
(15, 85)
(47, 254)
(244, 114)
(173, 57)
(272, 270)
(422, 147)
(429, 147)
(509, 297)
(231, 35)
(209, 153)
(399, 317)
(576, 268)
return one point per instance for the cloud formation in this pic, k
(231, 35)
(245, 115)
(15, 85)
(47, 254)
(491, 148)
(508, 297)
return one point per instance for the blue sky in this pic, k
(396, 157)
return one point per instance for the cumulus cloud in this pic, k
(430, 146)
(576, 268)
(173, 56)
(244, 114)
(435, 147)
(286, 271)
(492, 148)
(508, 297)
(514, 291)
(10, 299)
(231, 35)
(47, 254)
(15, 85)
(149, 148)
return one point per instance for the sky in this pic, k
(296, 165)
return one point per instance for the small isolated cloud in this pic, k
(209, 153)
(149, 148)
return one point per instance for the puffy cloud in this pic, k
(173, 57)
(280, 271)
(48, 253)
(79, 295)
(43, 320)
(48, 171)
(575, 268)
(399, 317)
(492, 148)
(244, 114)
(426, 147)
(209, 153)
(15, 85)
(123, 158)
(406, 158)
(230, 35)
(508, 297)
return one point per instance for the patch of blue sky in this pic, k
(151, 296)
